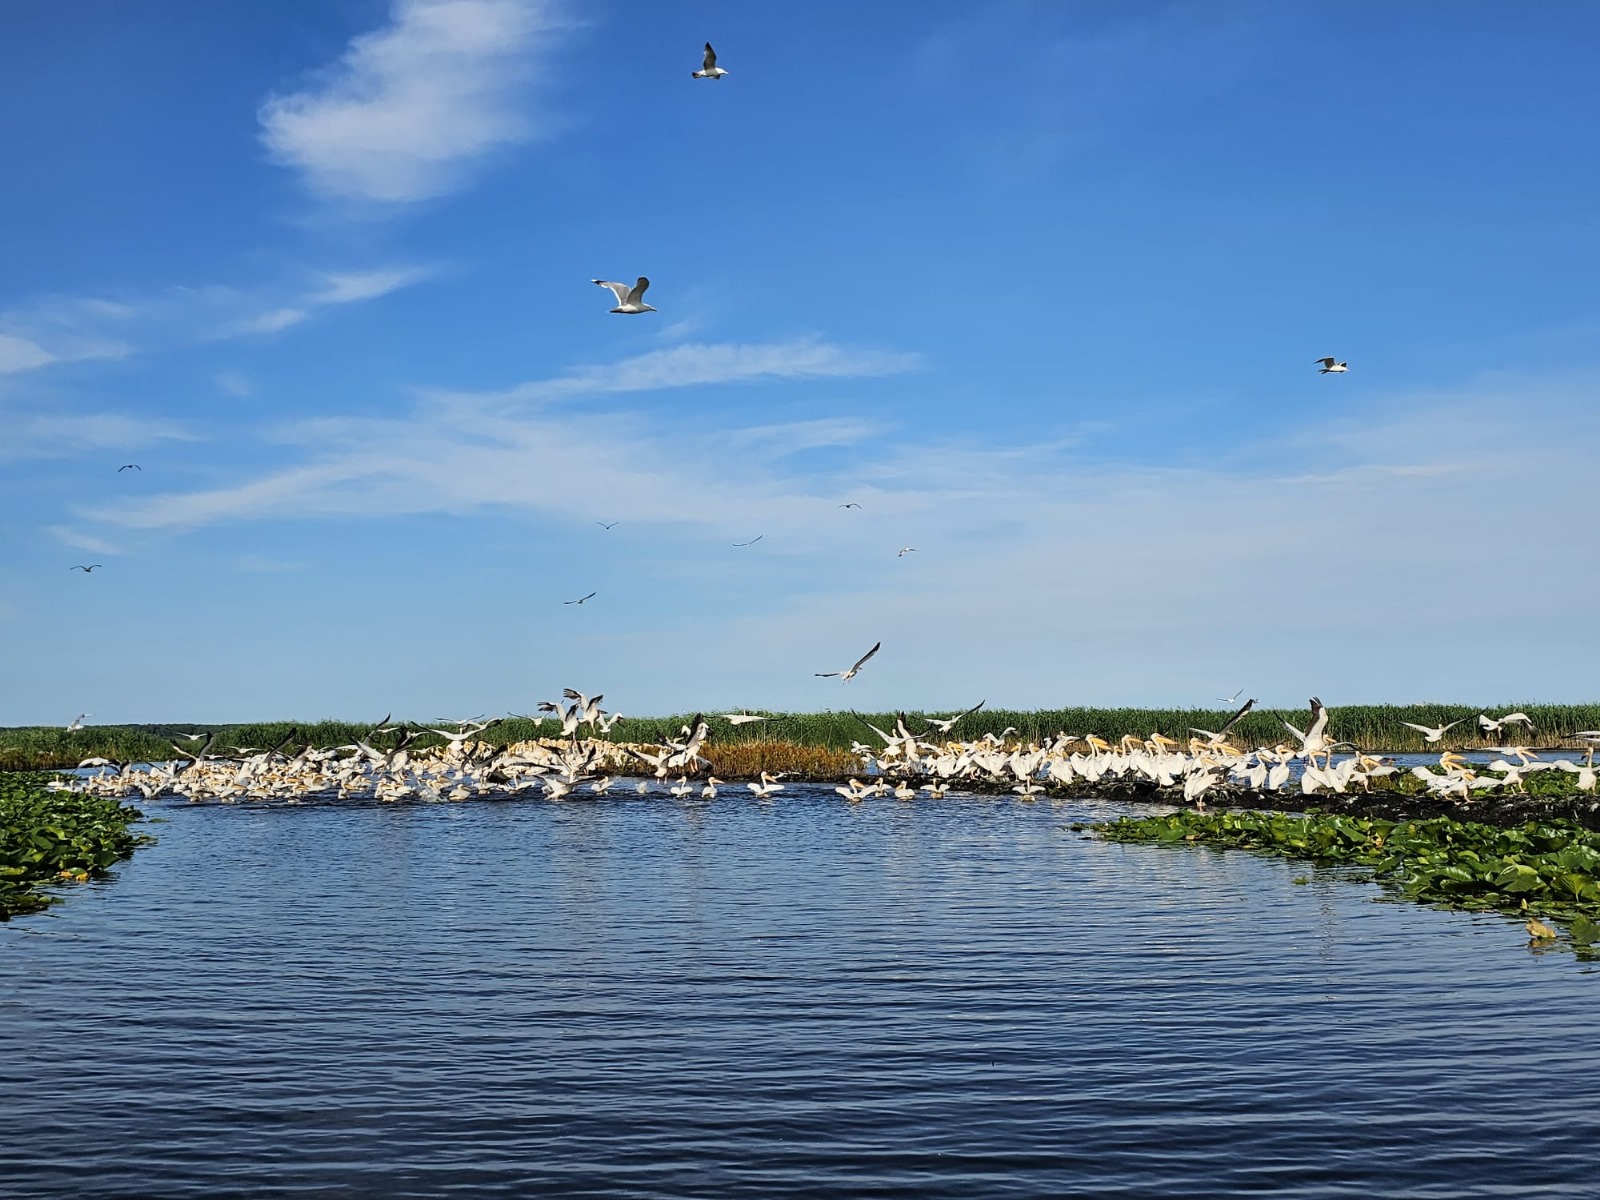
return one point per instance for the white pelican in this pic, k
(581, 599)
(767, 788)
(1490, 725)
(629, 299)
(945, 725)
(709, 68)
(742, 718)
(1430, 736)
(1331, 366)
(847, 676)
(709, 792)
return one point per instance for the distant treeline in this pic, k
(1375, 727)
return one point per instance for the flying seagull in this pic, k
(852, 504)
(78, 723)
(752, 541)
(1331, 366)
(129, 467)
(847, 676)
(709, 70)
(84, 569)
(1233, 699)
(742, 718)
(607, 525)
(581, 599)
(946, 724)
(629, 299)
(905, 550)
(1429, 735)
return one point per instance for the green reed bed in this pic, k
(1372, 727)
(1541, 868)
(56, 837)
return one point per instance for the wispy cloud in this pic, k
(83, 541)
(52, 435)
(19, 354)
(56, 328)
(698, 364)
(412, 105)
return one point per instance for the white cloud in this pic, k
(349, 287)
(410, 106)
(274, 321)
(83, 541)
(19, 354)
(698, 364)
(51, 435)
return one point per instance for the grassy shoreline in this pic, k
(1375, 728)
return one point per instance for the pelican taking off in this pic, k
(847, 676)
(1332, 366)
(1430, 736)
(629, 299)
(709, 68)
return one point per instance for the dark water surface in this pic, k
(647, 998)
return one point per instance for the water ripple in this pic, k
(645, 998)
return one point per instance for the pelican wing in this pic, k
(1418, 728)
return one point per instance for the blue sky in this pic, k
(1039, 285)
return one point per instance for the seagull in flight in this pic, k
(752, 541)
(742, 718)
(129, 467)
(709, 69)
(852, 504)
(1430, 736)
(1332, 366)
(905, 550)
(84, 569)
(847, 676)
(78, 723)
(581, 599)
(630, 299)
(608, 525)
(1233, 699)
(946, 724)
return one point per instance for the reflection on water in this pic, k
(801, 998)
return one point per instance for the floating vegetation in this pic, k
(53, 837)
(1539, 869)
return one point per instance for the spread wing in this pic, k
(1237, 717)
(1418, 728)
(636, 292)
(1328, 362)
(621, 290)
(826, 674)
(866, 656)
(711, 58)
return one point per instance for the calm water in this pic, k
(649, 999)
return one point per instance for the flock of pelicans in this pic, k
(581, 762)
